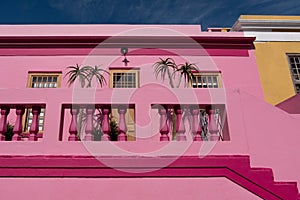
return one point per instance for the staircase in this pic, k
(259, 181)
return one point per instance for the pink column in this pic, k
(196, 125)
(34, 128)
(105, 123)
(89, 125)
(212, 126)
(3, 122)
(163, 128)
(73, 126)
(122, 127)
(180, 129)
(18, 125)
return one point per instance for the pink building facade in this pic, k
(244, 148)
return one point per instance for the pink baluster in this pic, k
(89, 125)
(180, 129)
(122, 127)
(3, 125)
(212, 126)
(196, 125)
(18, 125)
(34, 128)
(105, 124)
(73, 126)
(163, 129)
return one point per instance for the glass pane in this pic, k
(209, 81)
(204, 82)
(215, 82)
(129, 78)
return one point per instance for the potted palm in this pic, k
(86, 75)
(168, 67)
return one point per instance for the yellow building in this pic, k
(277, 52)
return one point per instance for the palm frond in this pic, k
(96, 72)
(85, 75)
(187, 70)
(163, 67)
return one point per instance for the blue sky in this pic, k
(208, 13)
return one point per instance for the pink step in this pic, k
(286, 189)
(262, 175)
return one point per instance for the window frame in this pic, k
(217, 74)
(135, 71)
(295, 82)
(31, 74)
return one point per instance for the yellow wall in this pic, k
(274, 69)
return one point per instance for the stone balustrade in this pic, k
(19, 134)
(205, 122)
(92, 122)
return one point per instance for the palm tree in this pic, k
(97, 73)
(163, 67)
(77, 72)
(86, 75)
(187, 71)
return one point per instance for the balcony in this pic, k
(196, 119)
(204, 122)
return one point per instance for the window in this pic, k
(206, 80)
(124, 78)
(295, 71)
(43, 80)
(40, 80)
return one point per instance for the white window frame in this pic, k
(208, 74)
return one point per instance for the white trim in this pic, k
(263, 25)
(274, 36)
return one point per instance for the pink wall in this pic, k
(106, 188)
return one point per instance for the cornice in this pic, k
(259, 24)
(128, 41)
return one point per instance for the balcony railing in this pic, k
(204, 122)
(92, 122)
(96, 122)
(18, 130)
